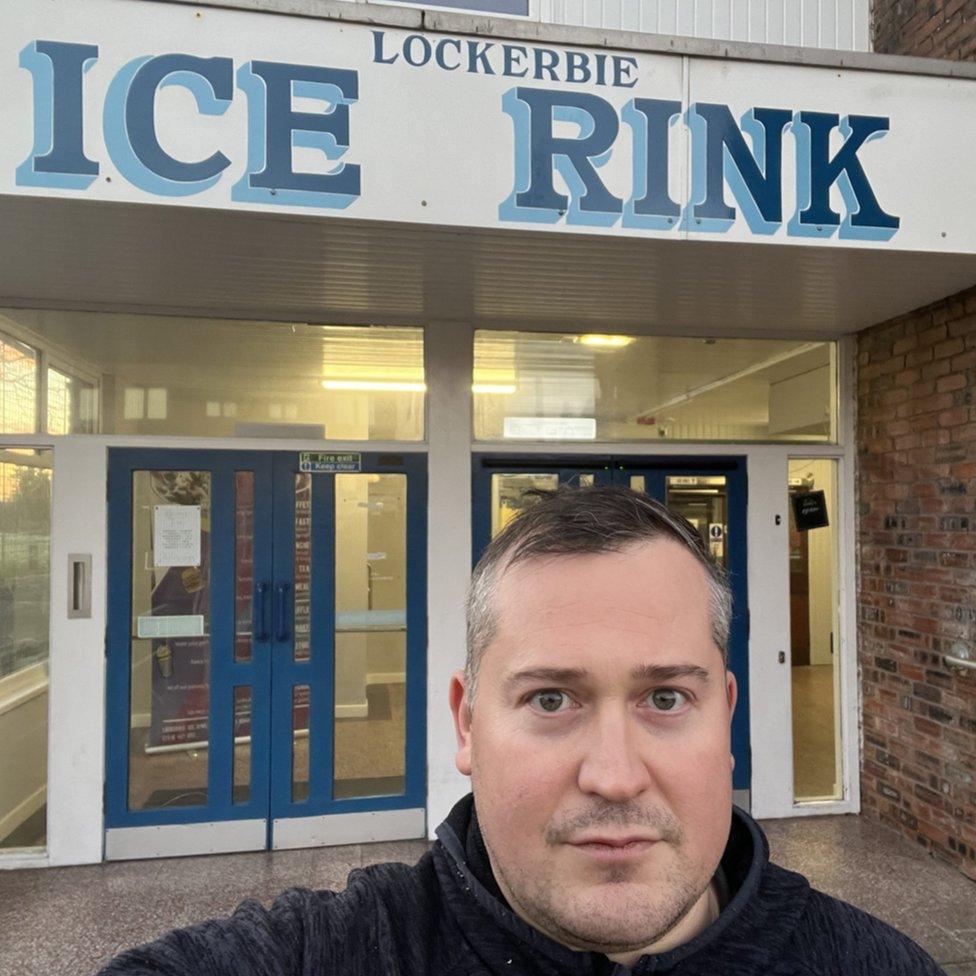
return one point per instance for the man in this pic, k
(593, 719)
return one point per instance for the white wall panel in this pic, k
(833, 24)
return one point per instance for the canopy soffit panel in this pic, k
(87, 255)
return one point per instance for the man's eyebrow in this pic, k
(650, 673)
(669, 672)
(555, 676)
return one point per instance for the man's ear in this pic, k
(461, 710)
(732, 691)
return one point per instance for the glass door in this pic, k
(349, 651)
(189, 645)
(256, 690)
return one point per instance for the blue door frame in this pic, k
(618, 469)
(271, 672)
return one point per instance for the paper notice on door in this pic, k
(187, 625)
(176, 535)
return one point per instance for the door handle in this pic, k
(281, 612)
(263, 634)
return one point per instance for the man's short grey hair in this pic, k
(573, 521)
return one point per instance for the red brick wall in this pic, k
(917, 501)
(927, 28)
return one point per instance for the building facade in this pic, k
(297, 300)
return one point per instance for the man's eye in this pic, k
(551, 701)
(667, 699)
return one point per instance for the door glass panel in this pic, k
(371, 635)
(299, 743)
(638, 482)
(170, 639)
(25, 544)
(587, 480)
(817, 772)
(703, 501)
(242, 745)
(302, 604)
(244, 565)
(509, 495)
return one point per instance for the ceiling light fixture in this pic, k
(606, 341)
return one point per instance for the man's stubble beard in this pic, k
(579, 922)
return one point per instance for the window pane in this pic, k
(25, 542)
(70, 404)
(814, 634)
(702, 500)
(625, 388)
(18, 387)
(170, 639)
(513, 493)
(211, 377)
(241, 786)
(371, 635)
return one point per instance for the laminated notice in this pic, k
(176, 535)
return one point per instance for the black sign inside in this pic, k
(810, 511)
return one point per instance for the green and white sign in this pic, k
(316, 462)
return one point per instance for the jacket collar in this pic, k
(760, 914)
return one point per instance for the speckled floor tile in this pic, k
(872, 867)
(71, 920)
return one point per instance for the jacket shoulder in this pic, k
(835, 937)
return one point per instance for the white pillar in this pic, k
(450, 355)
(76, 727)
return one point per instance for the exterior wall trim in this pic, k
(522, 30)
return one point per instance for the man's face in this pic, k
(598, 744)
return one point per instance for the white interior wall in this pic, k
(822, 561)
(23, 733)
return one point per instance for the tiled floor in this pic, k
(68, 920)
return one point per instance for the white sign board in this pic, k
(244, 110)
(176, 535)
(187, 625)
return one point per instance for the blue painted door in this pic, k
(710, 491)
(266, 657)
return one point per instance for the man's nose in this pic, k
(613, 765)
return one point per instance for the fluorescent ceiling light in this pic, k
(493, 388)
(606, 341)
(377, 386)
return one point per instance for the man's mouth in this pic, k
(613, 847)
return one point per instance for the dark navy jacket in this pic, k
(446, 917)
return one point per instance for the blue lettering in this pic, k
(275, 128)
(439, 53)
(601, 69)
(379, 41)
(817, 172)
(478, 56)
(545, 62)
(720, 153)
(651, 205)
(622, 68)
(511, 50)
(408, 48)
(58, 158)
(577, 67)
(539, 153)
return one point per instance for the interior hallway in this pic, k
(70, 920)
